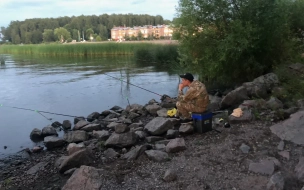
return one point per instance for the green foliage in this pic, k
(292, 85)
(48, 35)
(234, 40)
(30, 31)
(62, 34)
(98, 38)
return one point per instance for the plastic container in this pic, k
(202, 122)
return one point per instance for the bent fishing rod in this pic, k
(134, 85)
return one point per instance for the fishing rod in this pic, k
(134, 85)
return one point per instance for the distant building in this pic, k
(159, 31)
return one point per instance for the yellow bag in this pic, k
(172, 112)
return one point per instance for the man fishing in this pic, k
(196, 98)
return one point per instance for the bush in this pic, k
(238, 40)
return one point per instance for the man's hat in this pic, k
(187, 76)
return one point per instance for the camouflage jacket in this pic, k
(196, 94)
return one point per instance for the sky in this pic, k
(12, 10)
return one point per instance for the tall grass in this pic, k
(82, 50)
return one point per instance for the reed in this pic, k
(82, 50)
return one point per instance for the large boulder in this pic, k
(157, 155)
(152, 109)
(75, 160)
(91, 127)
(134, 153)
(36, 135)
(176, 145)
(234, 97)
(121, 128)
(158, 126)
(291, 129)
(121, 140)
(66, 124)
(85, 177)
(73, 147)
(269, 80)
(51, 142)
(101, 135)
(256, 90)
(134, 108)
(274, 103)
(300, 169)
(93, 116)
(214, 103)
(75, 136)
(80, 124)
(49, 131)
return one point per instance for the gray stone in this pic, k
(256, 90)
(164, 142)
(85, 177)
(93, 116)
(66, 125)
(80, 124)
(51, 142)
(158, 126)
(234, 97)
(135, 125)
(79, 158)
(117, 109)
(246, 117)
(126, 121)
(113, 125)
(121, 140)
(157, 155)
(101, 135)
(176, 145)
(49, 131)
(300, 169)
(264, 167)
(297, 67)
(137, 129)
(160, 147)
(73, 147)
(38, 167)
(70, 171)
(91, 127)
(170, 175)
(284, 154)
(269, 80)
(153, 139)
(186, 128)
(133, 115)
(152, 109)
(37, 149)
(152, 101)
(291, 129)
(249, 104)
(214, 103)
(141, 134)
(274, 103)
(121, 128)
(134, 153)
(281, 145)
(276, 182)
(172, 134)
(244, 148)
(75, 136)
(162, 112)
(77, 119)
(134, 107)
(35, 134)
(111, 153)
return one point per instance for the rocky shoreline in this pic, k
(141, 148)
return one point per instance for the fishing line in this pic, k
(134, 85)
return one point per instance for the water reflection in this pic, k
(72, 86)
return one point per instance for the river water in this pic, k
(72, 86)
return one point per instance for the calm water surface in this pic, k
(73, 86)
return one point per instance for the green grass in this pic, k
(82, 50)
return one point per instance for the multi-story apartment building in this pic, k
(119, 33)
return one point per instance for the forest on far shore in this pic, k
(44, 30)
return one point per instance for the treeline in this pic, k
(35, 31)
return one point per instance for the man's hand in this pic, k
(181, 86)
